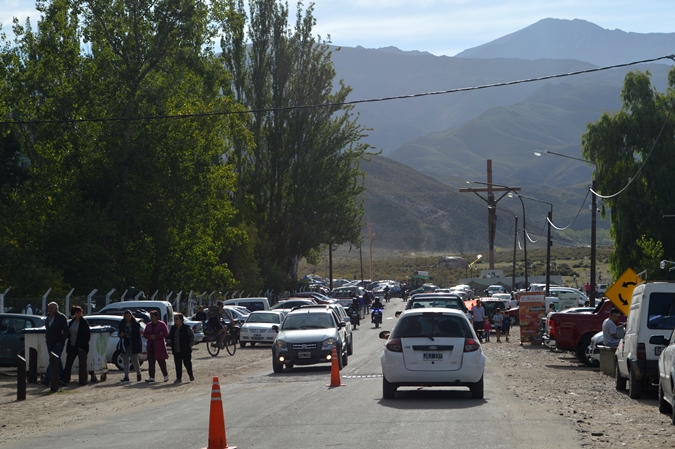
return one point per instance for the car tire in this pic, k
(242, 344)
(117, 360)
(345, 359)
(350, 348)
(664, 406)
(277, 366)
(634, 385)
(388, 389)
(619, 381)
(584, 354)
(477, 389)
(340, 359)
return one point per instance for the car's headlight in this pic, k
(281, 344)
(329, 342)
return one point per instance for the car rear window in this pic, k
(448, 303)
(661, 311)
(432, 325)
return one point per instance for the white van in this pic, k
(164, 307)
(651, 320)
(252, 304)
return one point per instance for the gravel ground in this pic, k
(604, 417)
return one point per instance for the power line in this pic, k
(338, 104)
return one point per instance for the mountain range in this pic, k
(442, 140)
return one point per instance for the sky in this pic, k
(447, 27)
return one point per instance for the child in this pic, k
(487, 327)
(506, 324)
(498, 319)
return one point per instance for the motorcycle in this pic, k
(377, 317)
(354, 317)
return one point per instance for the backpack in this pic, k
(213, 311)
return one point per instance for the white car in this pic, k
(667, 377)
(258, 327)
(112, 355)
(432, 347)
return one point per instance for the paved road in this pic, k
(297, 409)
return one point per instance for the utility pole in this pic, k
(492, 208)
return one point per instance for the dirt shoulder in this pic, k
(604, 417)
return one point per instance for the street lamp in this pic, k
(478, 257)
(594, 208)
(510, 191)
(549, 219)
(515, 245)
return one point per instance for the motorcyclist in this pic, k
(355, 307)
(377, 305)
(387, 294)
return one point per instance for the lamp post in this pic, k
(510, 191)
(549, 219)
(515, 245)
(594, 208)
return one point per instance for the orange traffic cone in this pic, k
(335, 370)
(217, 439)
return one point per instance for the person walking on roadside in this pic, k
(506, 324)
(498, 321)
(156, 333)
(478, 314)
(55, 336)
(130, 344)
(182, 339)
(79, 335)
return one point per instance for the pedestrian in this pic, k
(156, 333)
(200, 315)
(498, 320)
(506, 324)
(79, 335)
(478, 314)
(587, 287)
(609, 328)
(130, 344)
(487, 327)
(55, 336)
(182, 339)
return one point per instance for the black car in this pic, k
(12, 339)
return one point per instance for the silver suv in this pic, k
(307, 337)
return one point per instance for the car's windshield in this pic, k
(432, 325)
(308, 321)
(273, 318)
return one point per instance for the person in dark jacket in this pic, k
(55, 336)
(130, 344)
(79, 335)
(182, 338)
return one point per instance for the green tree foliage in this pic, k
(106, 203)
(635, 146)
(300, 178)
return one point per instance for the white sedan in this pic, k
(432, 347)
(258, 327)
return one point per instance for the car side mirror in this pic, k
(658, 340)
(384, 335)
(275, 328)
(397, 314)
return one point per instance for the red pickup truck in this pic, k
(573, 331)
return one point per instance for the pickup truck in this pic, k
(573, 331)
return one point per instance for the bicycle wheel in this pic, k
(212, 347)
(230, 345)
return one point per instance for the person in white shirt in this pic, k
(609, 329)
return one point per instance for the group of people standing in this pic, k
(501, 322)
(75, 334)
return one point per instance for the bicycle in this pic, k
(213, 345)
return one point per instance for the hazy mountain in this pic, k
(575, 39)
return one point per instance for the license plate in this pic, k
(257, 335)
(257, 338)
(433, 356)
(304, 355)
(658, 350)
